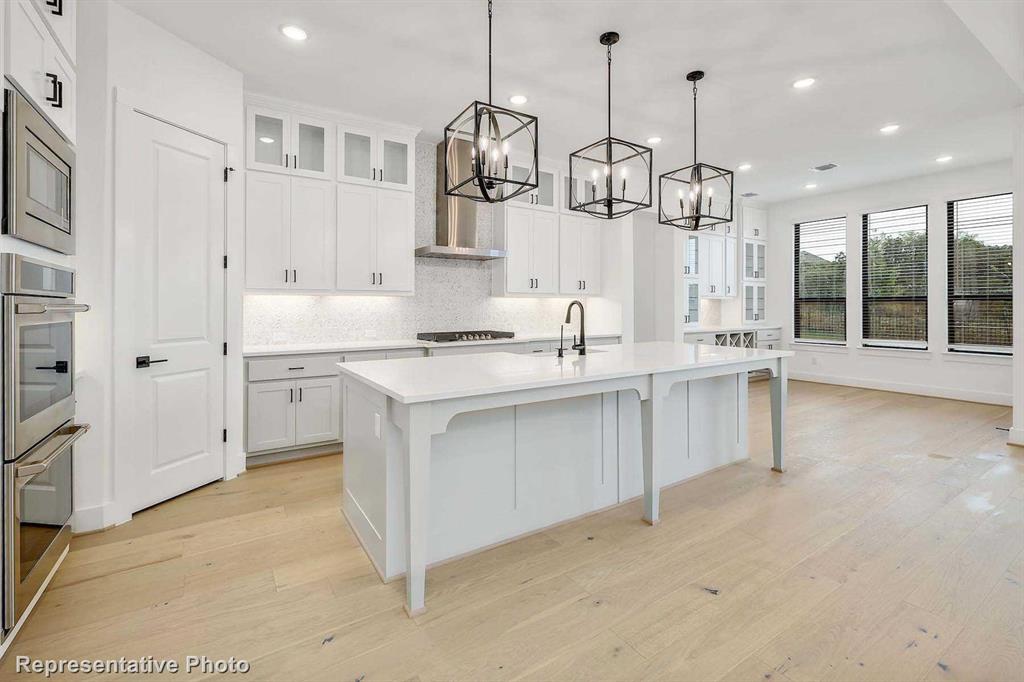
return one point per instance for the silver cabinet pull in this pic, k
(66, 435)
(40, 308)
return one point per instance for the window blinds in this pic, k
(820, 280)
(895, 277)
(980, 256)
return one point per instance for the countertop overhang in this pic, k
(415, 380)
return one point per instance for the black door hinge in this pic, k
(225, 348)
(225, 435)
(227, 169)
(225, 261)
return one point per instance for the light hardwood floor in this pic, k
(891, 549)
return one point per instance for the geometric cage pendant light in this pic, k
(697, 196)
(479, 142)
(610, 178)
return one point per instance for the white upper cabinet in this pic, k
(62, 18)
(375, 158)
(754, 260)
(579, 255)
(283, 142)
(717, 256)
(753, 302)
(692, 259)
(531, 239)
(730, 266)
(691, 302)
(755, 223)
(39, 66)
(289, 233)
(545, 196)
(375, 240)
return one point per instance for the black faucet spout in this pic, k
(581, 345)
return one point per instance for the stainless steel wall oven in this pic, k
(39, 178)
(38, 423)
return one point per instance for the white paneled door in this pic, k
(176, 242)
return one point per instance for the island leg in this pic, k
(652, 425)
(779, 390)
(417, 505)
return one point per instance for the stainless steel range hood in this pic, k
(456, 218)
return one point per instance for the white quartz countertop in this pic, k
(393, 344)
(720, 329)
(414, 380)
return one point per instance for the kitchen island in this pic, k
(445, 456)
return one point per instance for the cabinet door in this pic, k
(317, 410)
(61, 85)
(62, 17)
(271, 418)
(590, 256)
(312, 147)
(749, 259)
(730, 267)
(755, 223)
(570, 275)
(545, 196)
(520, 170)
(753, 302)
(397, 161)
(268, 140)
(267, 232)
(691, 259)
(759, 261)
(394, 240)
(312, 234)
(544, 253)
(357, 209)
(691, 302)
(29, 52)
(357, 156)
(716, 266)
(518, 266)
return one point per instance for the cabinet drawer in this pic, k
(769, 334)
(699, 338)
(404, 353)
(293, 367)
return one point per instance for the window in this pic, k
(980, 257)
(819, 303)
(895, 278)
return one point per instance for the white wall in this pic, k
(450, 294)
(1017, 430)
(117, 49)
(931, 372)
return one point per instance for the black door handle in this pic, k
(57, 98)
(143, 361)
(56, 7)
(60, 367)
(300, 394)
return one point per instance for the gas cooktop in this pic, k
(448, 337)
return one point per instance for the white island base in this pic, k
(446, 456)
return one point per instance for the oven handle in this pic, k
(69, 434)
(40, 308)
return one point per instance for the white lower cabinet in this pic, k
(531, 239)
(289, 233)
(375, 239)
(289, 405)
(579, 255)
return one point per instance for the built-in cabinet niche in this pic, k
(39, 57)
(329, 203)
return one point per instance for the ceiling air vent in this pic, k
(824, 167)
(749, 195)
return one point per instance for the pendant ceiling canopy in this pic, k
(611, 177)
(697, 196)
(490, 151)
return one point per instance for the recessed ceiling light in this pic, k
(944, 159)
(517, 99)
(889, 129)
(803, 83)
(267, 140)
(294, 32)
(810, 185)
(653, 140)
(744, 167)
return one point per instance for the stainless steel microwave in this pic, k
(39, 178)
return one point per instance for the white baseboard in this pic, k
(1016, 437)
(914, 389)
(98, 517)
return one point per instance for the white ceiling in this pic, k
(420, 63)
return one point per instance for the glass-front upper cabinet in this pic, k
(367, 157)
(754, 260)
(546, 193)
(691, 302)
(691, 260)
(286, 143)
(584, 191)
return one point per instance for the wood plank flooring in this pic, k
(892, 549)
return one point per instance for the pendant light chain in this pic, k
(609, 91)
(695, 122)
(490, 76)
